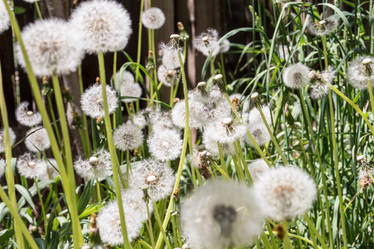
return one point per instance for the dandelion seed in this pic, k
(286, 192)
(225, 132)
(127, 136)
(2, 167)
(224, 46)
(29, 166)
(165, 144)
(53, 47)
(296, 76)
(221, 214)
(160, 119)
(139, 119)
(257, 168)
(108, 219)
(167, 76)
(97, 167)
(324, 27)
(197, 114)
(360, 71)
(37, 139)
(153, 18)
(105, 25)
(12, 138)
(4, 18)
(154, 176)
(27, 117)
(131, 90)
(207, 43)
(170, 58)
(92, 101)
(124, 78)
(51, 169)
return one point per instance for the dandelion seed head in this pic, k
(160, 119)
(296, 76)
(167, 76)
(155, 176)
(98, 166)
(217, 216)
(170, 58)
(360, 71)
(29, 166)
(104, 24)
(224, 46)
(2, 167)
(153, 18)
(12, 138)
(53, 47)
(127, 136)
(318, 90)
(37, 139)
(139, 119)
(4, 18)
(92, 101)
(108, 220)
(207, 43)
(197, 114)
(27, 117)
(132, 90)
(51, 169)
(260, 134)
(285, 192)
(324, 27)
(257, 167)
(125, 77)
(165, 144)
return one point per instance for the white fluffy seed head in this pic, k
(260, 134)
(360, 71)
(160, 119)
(53, 47)
(154, 176)
(2, 167)
(165, 144)
(139, 119)
(124, 77)
(197, 114)
(4, 18)
(323, 27)
(108, 220)
(37, 139)
(26, 117)
(318, 90)
(92, 101)
(29, 166)
(170, 58)
(221, 214)
(168, 77)
(296, 76)
(285, 192)
(224, 46)
(127, 136)
(51, 169)
(12, 138)
(104, 25)
(257, 167)
(153, 18)
(130, 92)
(97, 167)
(207, 43)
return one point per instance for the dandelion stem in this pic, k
(8, 158)
(183, 155)
(112, 150)
(370, 89)
(38, 10)
(86, 141)
(139, 49)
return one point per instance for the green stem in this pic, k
(139, 49)
(86, 141)
(8, 158)
(183, 155)
(112, 150)
(38, 10)
(337, 175)
(41, 204)
(370, 89)
(287, 241)
(69, 191)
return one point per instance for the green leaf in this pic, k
(26, 194)
(85, 197)
(18, 10)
